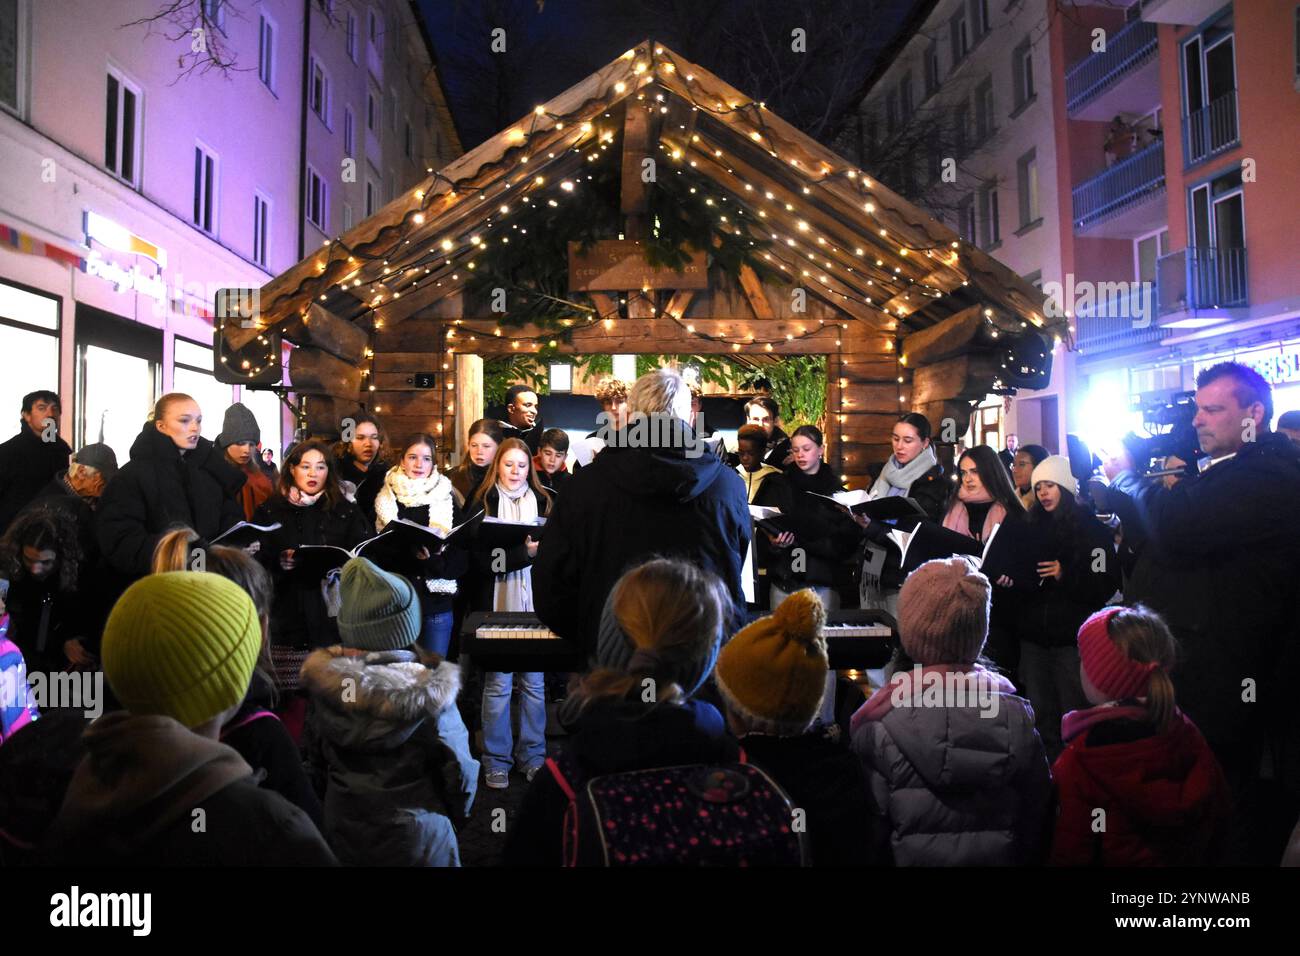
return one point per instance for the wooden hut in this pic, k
(651, 208)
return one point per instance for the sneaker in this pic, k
(532, 772)
(498, 780)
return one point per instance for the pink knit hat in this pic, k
(1107, 667)
(943, 612)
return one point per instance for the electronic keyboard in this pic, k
(517, 641)
(859, 639)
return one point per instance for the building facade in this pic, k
(1185, 232)
(1158, 158)
(137, 187)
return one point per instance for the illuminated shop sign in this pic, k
(125, 278)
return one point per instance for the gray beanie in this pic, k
(100, 457)
(380, 611)
(239, 425)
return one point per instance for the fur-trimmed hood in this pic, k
(373, 697)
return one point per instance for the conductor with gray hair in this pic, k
(654, 491)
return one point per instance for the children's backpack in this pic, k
(694, 815)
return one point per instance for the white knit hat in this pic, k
(1056, 469)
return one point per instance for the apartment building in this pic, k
(1190, 221)
(135, 188)
(958, 118)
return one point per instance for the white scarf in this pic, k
(300, 498)
(435, 491)
(513, 591)
(896, 479)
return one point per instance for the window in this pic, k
(1027, 180)
(214, 14)
(266, 53)
(891, 111)
(1297, 47)
(934, 157)
(347, 217)
(990, 221)
(29, 326)
(13, 54)
(372, 112)
(409, 141)
(317, 200)
(959, 29)
(1147, 252)
(905, 96)
(979, 14)
(192, 374)
(349, 132)
(391, 106)
(205, 189)
(984, 127)
(372, 29)
(261, 227)
(961, 129)
(1022, 73)
(932, 67)
(372, 196)
(1209, 93)
(352, 36)
(966, 218)
(390, 186)
(122, 129)
(319, 93)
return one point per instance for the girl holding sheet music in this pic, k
(823, 534)
(415, 490)
(503, 582)
(912, 471)
(983, 499)
(310, 508)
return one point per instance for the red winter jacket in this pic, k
(1164, 796)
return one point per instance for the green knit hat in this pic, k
(380, 611)
(182, 644)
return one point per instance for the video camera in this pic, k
(1169, 432)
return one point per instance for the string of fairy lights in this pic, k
(450, 257)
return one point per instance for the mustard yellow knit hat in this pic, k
(181, 644)
(773, 672)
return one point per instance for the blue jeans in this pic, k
(435, 632)
(498, 743)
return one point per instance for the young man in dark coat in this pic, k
(523, 420)
(33, 456)
(669, 497)
(1218, 564)
(175, 476)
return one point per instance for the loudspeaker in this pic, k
(258, 362)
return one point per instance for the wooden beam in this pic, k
(325, 330)
(469, 400)
(755, 293)
(950, 337)
(959, 378)
(679, 302)
(313, 371)
(636, 147)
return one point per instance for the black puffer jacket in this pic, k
(1051, 614)
(159, 489)
(298, 617)
(26, 464)
(479, 576)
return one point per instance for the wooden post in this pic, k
(469, 400)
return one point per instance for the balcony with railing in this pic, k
(1129, 55)
(1202, 277)
(1121, 315)
(1211, 129)
(1130, 182)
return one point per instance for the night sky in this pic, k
(552, 44)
